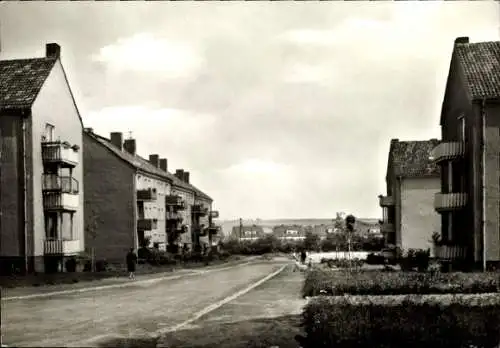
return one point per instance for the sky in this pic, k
(277, 109)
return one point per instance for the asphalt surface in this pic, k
(142, 309)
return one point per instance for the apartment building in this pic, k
(412, 179)
(469, 155)
(199, 212)
(41, 172)
(131, 201)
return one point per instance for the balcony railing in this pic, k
(450, 252)
(387, 227)
(175, 201)
(173, 215)
(214, 229)
(60, 201)
(64, 184)
(59, 153)
(199, 210)
(448, 151)
(61, 247)
(214, 214)
(449, 201)
(182, 229)
(386, 201)
(147, 195)
(147, 224)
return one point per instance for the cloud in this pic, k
(146, 52)
(178, 127)
(305, 73)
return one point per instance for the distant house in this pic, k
(290, 232)
(247, 232)
(409, 218)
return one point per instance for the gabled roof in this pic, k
(21, 81)
(246, 228)
(144, 165)
(411, 158)
(480, 65)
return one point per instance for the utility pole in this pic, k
(241, 228)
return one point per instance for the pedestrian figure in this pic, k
(303, 256)
(131, 262)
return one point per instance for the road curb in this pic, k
(126, 283)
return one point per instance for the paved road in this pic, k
(90, 318)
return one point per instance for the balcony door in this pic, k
(51, 225)
(49, 132)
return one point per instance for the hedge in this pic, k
(340, 282)
(450, 321)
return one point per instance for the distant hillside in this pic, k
(227, 225)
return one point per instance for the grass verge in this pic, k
(340, 282)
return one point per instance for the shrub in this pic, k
(448, 321)
(375, 259)
(70, 265)
(395, 283)
(343, 263)
(418, 259)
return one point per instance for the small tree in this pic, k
(311, 242)
(91, 232)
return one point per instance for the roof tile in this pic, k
(21, 80)
(411, 158)
(480, 63)
(144, 165)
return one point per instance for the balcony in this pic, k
(214, 214)
(147, 224)
(214, 229)
(182, 229)
(386, 201)
(386, 227)
(450, 252)
(449, 201)
(61, 153)
(173, 216)
(56, 183)
(147, 195)
(60, 201)
(175, 201)
(198, 209)
(448, 151)
(61, 247)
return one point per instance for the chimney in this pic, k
(179, 173)
(89, 130)
(163, 164)
(129, 146)
(52, 50)
(153, 159)
(462, 40)
(186, 177)
(117, 139)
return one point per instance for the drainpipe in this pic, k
(25, 197)
(483, 186)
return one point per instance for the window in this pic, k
(49, 132)
(461, 125)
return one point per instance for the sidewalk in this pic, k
(115, 281)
